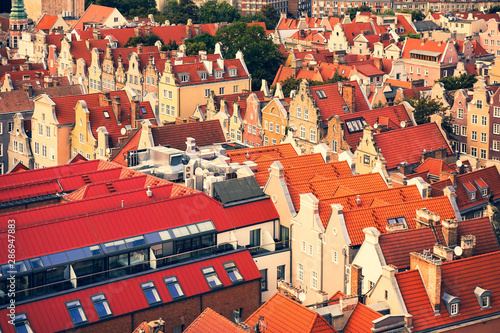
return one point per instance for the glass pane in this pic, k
(153, 238)
(207, 270)
(58, 258)
(77, 315)
(213, 280)
(97, 298)
(102, 309)
(46, 261)
(152, 295)
(193, 229)
(205, 226)
(180, 232)
(137, 257)
(235, 275)
(165, 235)
(95, 250)
(147, 285)
(135, 241)
(175, 290)
(115, 246)
(76, 254)
(170, 279)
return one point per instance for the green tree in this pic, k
(261, 55)
(270, 16)
(425, 107)
(171, 46)
(128, 8)
(205, 42)
(213, 11)
(288, 85)
(378, 105)
(353, 11)
(144, 40)
(494, 9)
(409, 35)
(417, 15)
(180, 12)
(463, 81)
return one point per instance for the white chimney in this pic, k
(149, 192)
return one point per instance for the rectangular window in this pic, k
(233, 272)
(418, 71)
(221, 91)
(483, 137)
(461, 114)
(474, 135)
(454, 309)
(22, 324)
(277, 129)
(21, 148)
(235, 89)
(170, 95)
(311, 250)
(496, 111)
(236, 316)
(306, 114)
(101, 305)
(40, 129)
(411, 69)
(255, 237)
(426, 72)
(304, 246)
(299, 113)
(300, 272)
(266, 141)
(456, 129)
(44, 151)
(313, 135)
(75, 151)
(464, 130)
(207, 93)
(271, 127)
(232, 133)
(273, 141)
(473, 151)
(14, 146)
(474, 119)
(479, 104)
(280, 273)
(151, 293)
(81, 138)
(483, 154)
(366, 159)
(211, 277)
(484, 121)
(76, 312)
(263, 282)
(496, 145)
(302, 132)
(254, 130)
(334, 146)
(314, 279)
(173, 286)
(249, 129)
(496, 128)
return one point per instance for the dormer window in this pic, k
(482, 186)
(203, 75)
(184, 77)
(452, 304)
(232, 72)
(218, 74)
(483, 297)
(471, 190)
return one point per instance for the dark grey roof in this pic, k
(426, 26)
(238, 189)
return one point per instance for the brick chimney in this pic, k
(117, 109)
(426, 218)
(348, 303)
(468, 244)
(139, 48)
(356, 280)
(148, 30)
(426, 154)
(134, 113)
(430, 270)
(404, 168)
(104, 99)
(378, 63)
(96, 33)
(137, 31)
(339, 57)
(443, 252)
(443, 175)
(450, 232)
(296, 66)
(28, 88)
(348, 93)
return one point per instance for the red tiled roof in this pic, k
(357, 220)
(205, 133)
(403, 22)
(423, 175)
(51, 314)
(274, 152)
(434, 167)
(130, 145)
(351, 30)
(368, 70)
(282, 314)
(94, 13)
(396, 246)
(193, 70)
(489, 175)
(47, 22)
(416, 44)
(361, 319)
(394, 114)
(307, 173)
(210, 321)
(408, 143)
(459, 278)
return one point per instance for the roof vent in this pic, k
(149, 192)
(358, 201)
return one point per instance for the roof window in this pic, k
(356, 125)
(321, 94)
(22, 324)
(401, 220)
(184, 77)
(101, 306)
(483, 297)
(173, 286)
(211, 277)
(233, 272)
(151, 293)
(76, 312)
(106, 114)
(452, 304)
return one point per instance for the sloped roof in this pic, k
(413, 44)
(285, 315)
(271, 152)
(15, 101)
(47, 22)
(131, 144)
(205, 133)
(307, 173)
(193, 70)
(94, 13)
(407, 144)
(237, 189)
(351, 30)
(394, 115)
(434, 167)
(489, 175)
(458, 278)
(357, 220)
(361, 319)
(51, 314)
(396, 246)
(210, 321)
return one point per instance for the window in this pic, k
(483, 137)
(44, 151)
(277, 129)
(483, 154)
(255, 237)
(302, 132)
(233, 272)
(306, 114)
(221, 91)
(456, 129)
(474, 119)
(76, 312)
(300, 272)
(21, 148)
(314, 279)
(299, 113)
(173, 286)
(454, 309)
(235, 89)
(426, 72)
(473, 151)
(418, 70)
(170, 94)
(313, 135)
(304, 246)
(460, 114)
(273, 141)
(203, 75)
(479, 104)
(485, 301)
(411, 69)
(311, 250)
(496, 145)
(496, 111)
(335, 257)
(22, 324)
(496, 128)
(81, 138)
(474, 135)
(40, 129)
(280, 273)
(236, 316)
(101, 305)
(211, 277)
(263, 282)
(464, 130)
(271, 127)
(366, 159)
(334, 146)
(484, 121)
(14, 145)
(150, 292)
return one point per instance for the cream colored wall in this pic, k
(82, 126)
(95, 72)
(26, 46)
(110, 22)
(337, 40)
(368, 258)
(367, 147)
(135, 70)
(145, 138)
(387, 282)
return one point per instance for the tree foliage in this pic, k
(213, 11)
(409, 35)
(205, 42)
(149, 40)
(354, 10)
(261, 55)
(494, 9)
(266, 14)
(180, 12)
(128, 8)
(170, 46)
(291, 83)
(463, 81)
(425, 107)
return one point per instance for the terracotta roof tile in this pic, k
(210, 321)
(94, 13)
(47, 22)
(434, 167)
(361, 319)
(205, 133)
(285, 315)
(275, 151)
(420, 44)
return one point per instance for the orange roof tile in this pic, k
(434, 167)
(47, 22)
(282, 314)
(210, 321)
(275, 151)
(94, 13)
(361, 319)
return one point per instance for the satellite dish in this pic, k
(459, 163)
(375, 125)
(402, 124)
(458, 251)
(123, 131)
(302, 297)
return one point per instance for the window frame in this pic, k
(230, 267)
(105, 300)
(145, 288)
(174, 282)
(209, 274)
(79, 306)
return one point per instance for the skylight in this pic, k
(143, 110)
(211, 277)
(101, 305)
(151, 293)
(76, 312)
(106, 114)
(400, 220)
(233, 272)
(355, 125)
(22, 324)
(173, 286)
(321, 94)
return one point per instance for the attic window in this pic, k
(483, 297)
(232, 72)
(184, 77)
(106, 114)
(233, 272)
(151, 293)
(471, 190)
(143, 110)
(203, 75)
(76, 312)
(218, 74)
(101, 306)
(26, 77)
(211, 277)
(173, 286)
(321, 94)
(22, 324)
(400, 220)
(356, 125)
(452, 304)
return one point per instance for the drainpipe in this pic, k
(322, 249)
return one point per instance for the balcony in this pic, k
(268, 248)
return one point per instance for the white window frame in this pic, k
(300, 272)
